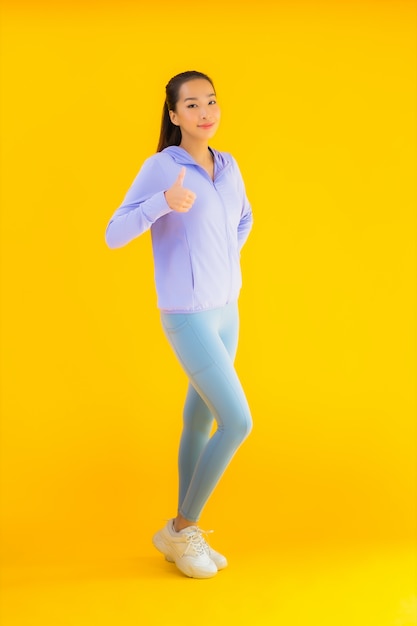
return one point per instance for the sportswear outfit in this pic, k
(198, 280)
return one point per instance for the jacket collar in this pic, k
(184, 158)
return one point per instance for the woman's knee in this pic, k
(239, 427)
(248, 426)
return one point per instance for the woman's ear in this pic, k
(173, 117)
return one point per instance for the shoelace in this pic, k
(196, 541)
(206, 532)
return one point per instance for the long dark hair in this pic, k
(170, 134)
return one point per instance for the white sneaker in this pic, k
(218, 559)
(187, 549)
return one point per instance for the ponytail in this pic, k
(170, 134)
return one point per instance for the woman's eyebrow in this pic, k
(210, 95)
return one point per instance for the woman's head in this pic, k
(171, 133)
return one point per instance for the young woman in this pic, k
(193, 200)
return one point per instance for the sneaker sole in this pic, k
(219, 565)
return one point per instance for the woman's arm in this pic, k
(245, 225)
(143, 204)
(246, 219)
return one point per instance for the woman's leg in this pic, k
(197, 417)
(197, 423)
(205, 344)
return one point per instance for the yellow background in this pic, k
(319, 108)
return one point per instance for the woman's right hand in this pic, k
(178, 197)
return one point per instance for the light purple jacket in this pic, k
(196, 254)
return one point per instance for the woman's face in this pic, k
(196, 112)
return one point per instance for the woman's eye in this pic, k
(192, 106)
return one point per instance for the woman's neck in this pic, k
(199, 152)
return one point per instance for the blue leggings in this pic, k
(205, 344)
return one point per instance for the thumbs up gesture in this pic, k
(178, 197)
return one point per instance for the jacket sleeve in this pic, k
(246, 218)
(143, 204)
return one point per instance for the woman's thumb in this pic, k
(181, 177)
